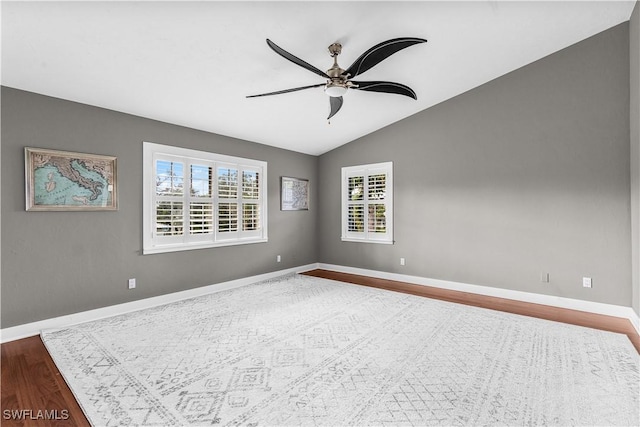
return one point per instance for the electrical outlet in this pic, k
(278, 258)
(402, 261)
(132, 283)
(586, 282)
(544, 277)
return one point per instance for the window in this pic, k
(195, 199)
(367, 203)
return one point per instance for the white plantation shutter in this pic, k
(169, 218)
(227, 218)
(169, 198)
(195, 199)
(200, 217)
(250, 216)
(227, 178)
(355, 201)
(201, 200)
(367, 203)
(250, 199)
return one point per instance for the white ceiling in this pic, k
(193, 63)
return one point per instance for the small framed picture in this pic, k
(294, 194)
(66, 181)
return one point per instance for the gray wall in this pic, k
(56, 263)
(526, 174)
(634, 50)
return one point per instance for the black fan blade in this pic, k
(287, 90)
(286, 55)
(335, 102)
(387, 87)
(379, 53)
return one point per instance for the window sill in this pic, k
(159, 249)
(380, 242)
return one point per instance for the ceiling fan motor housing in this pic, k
(337, 85)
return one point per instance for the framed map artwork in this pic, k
(294, 194)
(64, 181)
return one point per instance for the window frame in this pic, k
(154, 243)
(367, 171)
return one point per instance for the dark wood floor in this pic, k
(574, 317)
(33, 388)
(31, 383)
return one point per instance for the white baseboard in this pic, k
(561, 302)
(34, 328)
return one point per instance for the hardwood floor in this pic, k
(33, 391)
(574, 317)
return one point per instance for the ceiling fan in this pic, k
(339, 80)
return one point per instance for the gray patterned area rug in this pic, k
(301, 350)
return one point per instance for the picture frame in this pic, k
(68, 181)
(294, 194)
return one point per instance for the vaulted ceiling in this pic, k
(193, 63)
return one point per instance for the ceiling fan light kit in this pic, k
(338, 81)
(335, 89)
